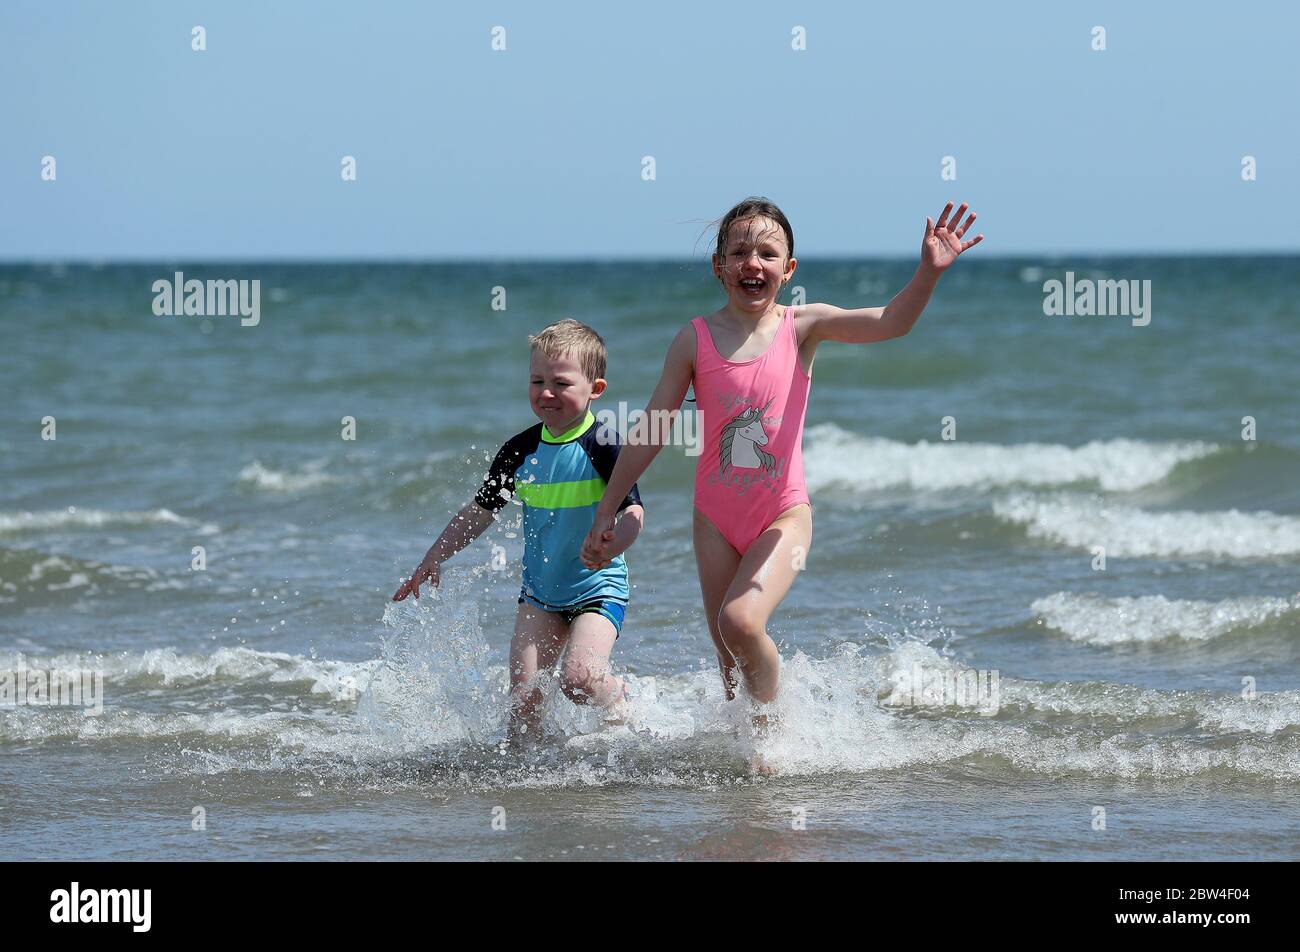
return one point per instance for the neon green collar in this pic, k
(571, 434)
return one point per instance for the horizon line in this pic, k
(96, 261)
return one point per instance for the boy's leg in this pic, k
(717, 562)
(585, 676)
(539, 639)
(762, 579)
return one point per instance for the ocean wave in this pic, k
(74, 518)
(834, 456)
(226, 667)
(27, 575)
(281, 729)
(1143, 710)
(423, 483)
(440, 719)
(1127, 531)
(1153, 618)
(283, 481)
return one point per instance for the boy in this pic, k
(558, 469)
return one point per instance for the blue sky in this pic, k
(536, 152)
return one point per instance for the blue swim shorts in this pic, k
(611, 609)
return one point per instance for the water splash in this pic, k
(434, 684)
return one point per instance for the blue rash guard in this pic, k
(559, 480)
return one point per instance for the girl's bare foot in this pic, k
(762, 725)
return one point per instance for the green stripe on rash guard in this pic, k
(570, 434)
(573, 495)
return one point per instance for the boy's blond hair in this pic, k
(572, 337)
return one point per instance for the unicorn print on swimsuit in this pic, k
(741, 448)
(742, 442)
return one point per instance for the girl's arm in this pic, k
(939, 249)
(635, 458)
(866, 325)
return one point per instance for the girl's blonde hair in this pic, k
(572, 337)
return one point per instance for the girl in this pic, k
(750, 362)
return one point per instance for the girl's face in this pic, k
(755, 263)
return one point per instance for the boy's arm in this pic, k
(475, 516)
(939, 249)
(464, 527)
(629, 525)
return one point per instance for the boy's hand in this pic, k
(942, 243)
(597, 550)
(430, 569)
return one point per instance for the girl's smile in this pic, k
(755, 264)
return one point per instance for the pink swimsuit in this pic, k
(752, 411)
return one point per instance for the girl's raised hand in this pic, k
(942, 243)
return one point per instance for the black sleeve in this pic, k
(499, 484)
(604, 454)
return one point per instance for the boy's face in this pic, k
(559, 391)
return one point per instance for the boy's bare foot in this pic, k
(760, 766)
(520, 737)
(616, 713)
(644, 690)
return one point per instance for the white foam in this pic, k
(1127, 531)
(826, 727)
(435, 706)
(49, 564)
(42, 723)
(340, 680)
(56, 565)
(829, 719)
(261, 477)
(834, 456)
(73, 517)
(1150, 618)
(1266, 712)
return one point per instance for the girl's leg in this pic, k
(762, 580)
(717, 562)
(585, 677)
(539, 639)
